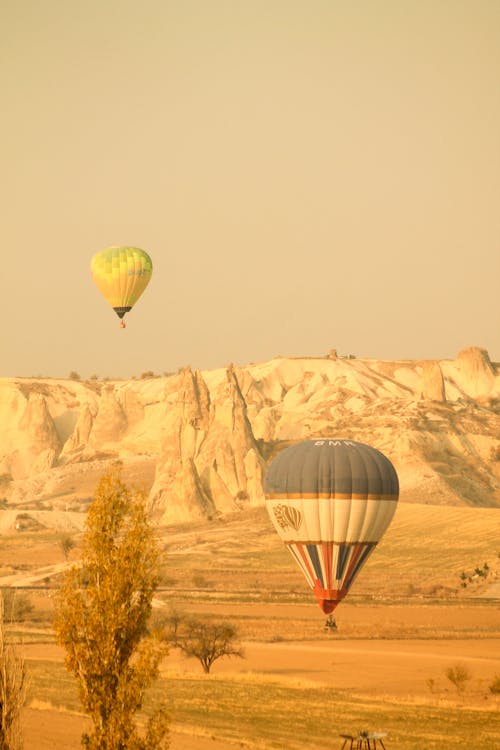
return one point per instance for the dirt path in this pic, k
(32, 579)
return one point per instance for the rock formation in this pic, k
(110, 422)
(209, 462)
(177, 493)
(79, 438)
(32, 443)
(198, 442)
(432, 382)
(476, 372)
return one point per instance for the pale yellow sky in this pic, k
(304, 175)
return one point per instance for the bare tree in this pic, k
(102, 619)
(12, 690)
(204, 641)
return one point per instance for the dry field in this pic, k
(407, 621)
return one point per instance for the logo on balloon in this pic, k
(287, 516)
(336, 443)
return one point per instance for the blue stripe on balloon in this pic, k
(344, 550)
(314, 557)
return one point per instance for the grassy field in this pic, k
(422, 555)
(237, 569)
(240, 557)
(253, 711)
(274, 715)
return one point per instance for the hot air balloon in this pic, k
(331, 502)
(121, 274)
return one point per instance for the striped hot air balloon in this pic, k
(121, 274)
(331, 500)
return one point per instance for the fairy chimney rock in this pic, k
(432, 382)
(476, 371)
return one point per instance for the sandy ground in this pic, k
(398, 668)
(51, 730)
(393, 668)
(390, 668)
(354, 619)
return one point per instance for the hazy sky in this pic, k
(306, 175)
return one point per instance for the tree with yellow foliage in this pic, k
(102, 616)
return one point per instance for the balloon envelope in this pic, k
(331, 501)
(121, 274)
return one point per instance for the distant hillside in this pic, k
(199, 441)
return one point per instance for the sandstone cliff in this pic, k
(198, 442)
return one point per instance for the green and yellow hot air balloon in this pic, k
(121, 274)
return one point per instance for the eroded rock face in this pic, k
(79, 438)
(36, 444)
(177, 493)
(110, 423)
(210, 462)
(476, 372)
(432, 382)
(39, 426)
(198, 442)
(228, 441)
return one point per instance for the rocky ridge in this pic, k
(198, 442)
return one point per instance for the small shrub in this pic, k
(241, 498)
(74, 375)
(479, 572)
(17, 607)
(458, 675)
(495, 685)
(277, 638)
(25, 522)
(431, 684)
(166, 580)
(495, 453)
(200, 581)
(66, 543)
